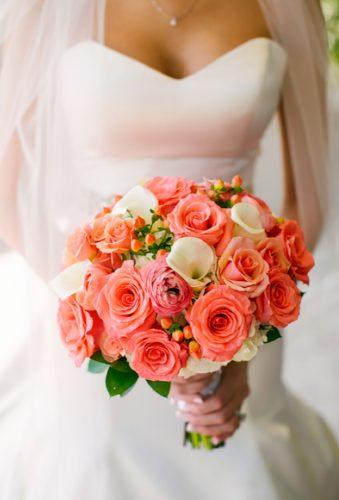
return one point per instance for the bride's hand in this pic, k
(215, 415)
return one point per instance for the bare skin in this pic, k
(212, 28)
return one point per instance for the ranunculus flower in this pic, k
(272, 252)
(247, 221)
(220, 322)
(198, 216)
(137, 202)
(267, 218)
(193, 260)
(95, 279)
(155, 356)
(169, 293)
(79, 246)
(124, 304)
(228, 233)
(301, 259)
(80, 330)
(115, 234)
(243, 268)
(279, 305)
(169, 190)
(111, 349)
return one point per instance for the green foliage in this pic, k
(119, 382)
(96, 366)
(161, 388)
(331, 14)
(272, 334)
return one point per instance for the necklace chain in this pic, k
(173, 20)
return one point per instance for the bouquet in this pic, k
(178, 278)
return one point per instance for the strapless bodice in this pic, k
(127, 121)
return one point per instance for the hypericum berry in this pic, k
(161, 252)
(136, 245)
(194, 346)
(235, 199)
(166, 323)
(236, 181)
(178, 335)
(139, 222)
(188, 332)
(219, 184)
(150, 239)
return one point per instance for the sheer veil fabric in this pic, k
(37, 189)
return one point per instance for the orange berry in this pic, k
(188, 332)
(166, 323)
(235, 199)
(178, 335)
(136, 245)
(150, 239)
(236, 181)
(219, 184)
(161, 252)
(139, 222)
(194, 346)
(201, 191)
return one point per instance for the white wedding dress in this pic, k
(64, 438)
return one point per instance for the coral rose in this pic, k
(95, 279)
(155, 356)
(123, 303)
(80, 330)
(111, 349)
(243, 268)
(110, 261)
(301, 259)
(169, 190)
(198, 216)
(169, 292)
(272, 252)
(228, 233)
(79, 246)
(113, 234)
(220, 322)
(279, 305)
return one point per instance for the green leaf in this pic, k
(122, 365)
(96, 366)
(174, 327)
(97, 356)
(161, 388)
(272, 334)
(118, 382)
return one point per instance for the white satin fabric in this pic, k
(67, 141)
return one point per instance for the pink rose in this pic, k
(113, 234)
(267, 219)
(169, 293)
(111, 349)
(279, 305)
(169, 190)
(272, 252)
(80, 330)
(123, 303)
(301, 259)
(220, 322)
(79, 246)
(155, 356)
(94, 281)
(243, 268)
(228, 233)
(198, 216)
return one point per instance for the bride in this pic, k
(96, 95)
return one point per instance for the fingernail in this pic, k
(215, 440)
(189, 428)
(198, 400)
(181, 404)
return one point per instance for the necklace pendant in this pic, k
(173, 22)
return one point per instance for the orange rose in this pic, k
(155, 356)
(279, 305)
(228, 234)
(198, 216)
(301, 259)
(94, 281)
(79, 246)
(169, 190)
(111, 349)
(220, 321)
(272, 252)
(113, 234)
(243, 268)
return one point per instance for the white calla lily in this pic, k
(138, 201)
(193, 260)
(247, 221)
(70, 280)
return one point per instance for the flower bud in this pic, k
(150, 239)
(136, 245)
(178, 335)
(194, 346)
(139, 222)
(236, 181)
(235, 199)
(188, 332)
(161, 252)
(166, 323)
(219, 184)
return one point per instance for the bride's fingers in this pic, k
(180, 391)
(218, 417)
(220, 431)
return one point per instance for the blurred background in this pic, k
(311, 367)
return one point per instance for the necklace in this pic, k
(172, 20)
